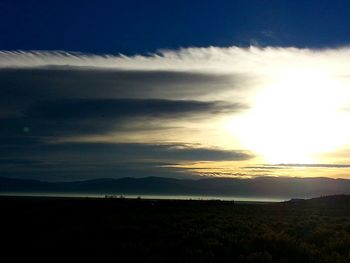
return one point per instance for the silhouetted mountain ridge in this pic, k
(329, 201)
(268, 187)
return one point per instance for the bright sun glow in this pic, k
(299, 115)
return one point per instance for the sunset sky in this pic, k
(180, 89)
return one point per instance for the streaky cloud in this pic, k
(315, 165)
(295, 165)
(209, 59)
(126, 108)
(65, 161)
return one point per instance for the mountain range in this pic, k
(260, 187)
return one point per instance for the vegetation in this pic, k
(178, 231)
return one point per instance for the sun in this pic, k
(298, 115)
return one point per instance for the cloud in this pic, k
(117, 152)
(164, 152)
(50, 101)
(125, 108)
(76, 117)
(190, 73)
(91, 160)
(308, 165)
(210, 73)
(251, 60)
(191, 59)
(30, 84)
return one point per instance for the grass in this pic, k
(176, 231)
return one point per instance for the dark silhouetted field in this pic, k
(176, 231)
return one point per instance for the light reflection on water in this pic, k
(146, 196)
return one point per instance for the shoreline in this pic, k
(242, 200)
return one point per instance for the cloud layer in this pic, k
(154, 113)
(64, 161)
(211, 59)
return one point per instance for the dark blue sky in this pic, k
(134, 26)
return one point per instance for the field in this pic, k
(176, 231)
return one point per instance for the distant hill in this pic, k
(261, 187)
(330, 201)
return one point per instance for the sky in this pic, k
(180, 89)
